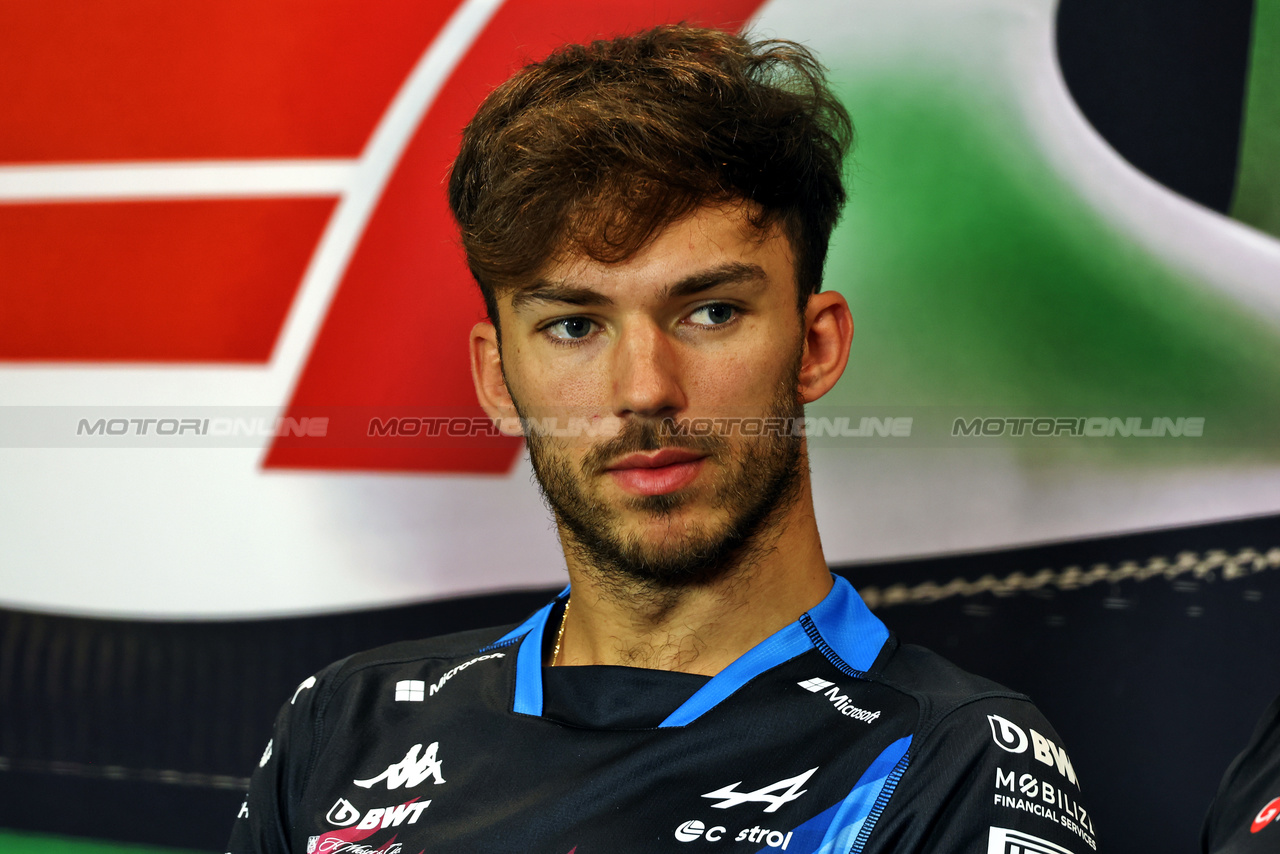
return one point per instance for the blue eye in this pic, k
(571, 328)
(715, 314)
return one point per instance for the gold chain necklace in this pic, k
(555, 655)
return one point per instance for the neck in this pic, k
(699, 628)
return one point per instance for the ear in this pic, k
(491, 386)
(828, 334)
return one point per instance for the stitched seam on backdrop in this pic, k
(1213, 564)
(119, 772)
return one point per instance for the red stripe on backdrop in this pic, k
(396, 333)
(152, 281)
(145, 79)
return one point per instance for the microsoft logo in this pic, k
(411, 690)
(815, 685)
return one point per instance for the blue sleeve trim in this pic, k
(858, 813)
(886, 792)
(781, 646)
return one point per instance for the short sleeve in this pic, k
(990, 777)
(262, 824)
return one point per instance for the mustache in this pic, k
(646, 436)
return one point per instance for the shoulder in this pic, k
(414, 658)
(940, 688)
(962, 713)
(983, 763)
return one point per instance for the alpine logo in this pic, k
(1268, 814)
(786, 790)
(266, 754)
(815, 685)
(842, 702)
(344, 814)
(1010, 737)
(1003, 840)
(410, 771)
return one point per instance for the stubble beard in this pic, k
(756, 483)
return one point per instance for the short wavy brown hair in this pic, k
(598, 147)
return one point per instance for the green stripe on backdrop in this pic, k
(33, 843)
(1257, 196)
(979, 278)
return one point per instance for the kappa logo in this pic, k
(786, 790)
(410, 771)
(1268, 814)
(1010, 737)
(1003, 840)
(344, 814)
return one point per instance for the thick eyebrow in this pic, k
(543, 291)
(726, 274)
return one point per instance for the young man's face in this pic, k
(701, 323)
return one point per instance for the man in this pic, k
(1244, 817)
(647, 219)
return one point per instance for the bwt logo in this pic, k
(344, 814)
(1010, 737)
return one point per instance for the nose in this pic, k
(646, 372)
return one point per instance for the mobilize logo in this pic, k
(1010, 737)
(790, 790)
(1042, 798)
(1268, 814)
(344, 814)
(841, 701)
(410, 771)
(694, 829)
